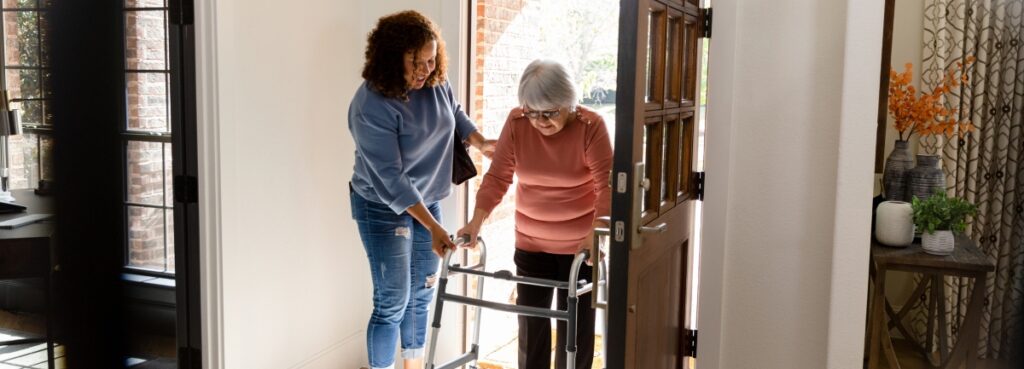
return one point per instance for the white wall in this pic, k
(789, 167)
(286, 283)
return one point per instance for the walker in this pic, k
(575, 287)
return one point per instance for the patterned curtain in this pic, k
(987, 166)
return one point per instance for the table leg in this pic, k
(969, 330)
(933, 307)
(877, 318)
(896, 318)
(940, 296)
(890, 350)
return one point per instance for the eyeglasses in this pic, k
(536, 114)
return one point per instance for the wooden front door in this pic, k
(654, 184)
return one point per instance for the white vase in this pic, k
(894, 223)
(938, 243)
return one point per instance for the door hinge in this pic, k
(698, 182)
(705, 16)
(186, 189)
(690, 344)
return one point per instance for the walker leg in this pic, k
(475, 345)
(436, 326)
(570, 333)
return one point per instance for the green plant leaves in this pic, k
(940, 212)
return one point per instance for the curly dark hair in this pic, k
(386, 45)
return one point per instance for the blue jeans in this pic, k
(404, 269)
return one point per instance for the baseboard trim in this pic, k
(309, 363)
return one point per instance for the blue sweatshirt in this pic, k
(404, 149)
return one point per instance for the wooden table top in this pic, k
(966, 257)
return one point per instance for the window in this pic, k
(147, 137)
(147, 126)
(25, 77)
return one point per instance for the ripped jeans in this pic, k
(404, 270)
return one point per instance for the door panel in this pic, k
(661, 350)
(653, 199)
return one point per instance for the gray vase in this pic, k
(894, 177)
(926, 178)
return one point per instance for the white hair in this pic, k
(547, 85)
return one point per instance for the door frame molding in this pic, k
(858, 119)
(208, 136)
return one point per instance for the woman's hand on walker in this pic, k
(439, 240)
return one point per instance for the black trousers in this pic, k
(535, 333)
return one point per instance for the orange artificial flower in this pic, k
(925, 114)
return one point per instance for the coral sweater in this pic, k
(562, 180)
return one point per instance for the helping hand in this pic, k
(487, 148)
(472, 229)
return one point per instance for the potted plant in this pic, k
(923, 113)
(937, 217)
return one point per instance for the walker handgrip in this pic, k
(462, 240)
(503, 274)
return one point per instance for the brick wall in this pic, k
(511, 33)
(499, 62)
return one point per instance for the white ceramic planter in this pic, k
(894, 223)
(938, 243)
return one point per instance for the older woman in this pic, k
(403, 118)
(561, 153)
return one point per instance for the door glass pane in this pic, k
(648, 73)
(648, 161)
(664, 165)
(673, 60)
(690, 77)
(685, 156)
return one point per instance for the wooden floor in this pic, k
(33, 356)
(505, 357)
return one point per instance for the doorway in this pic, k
(584, 36)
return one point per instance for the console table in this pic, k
(965, 261)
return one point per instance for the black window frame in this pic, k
(43, 128)
(172, 74)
